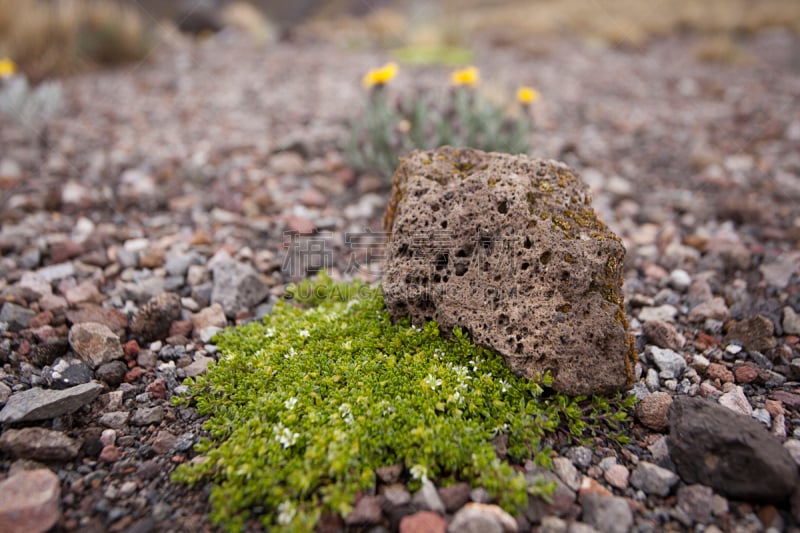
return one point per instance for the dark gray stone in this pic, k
(732, 453)
(112, 373)
(16, 316)
(42, 404)
(236, 287)
(509, 249)
(653, 479)
(67, 372)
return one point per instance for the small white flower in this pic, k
(269, 333)
(345, 412)
(290, 403)
(415, 329)
(432, 382)
(286, 513)
(291, 353)
(285, 436)
(504, 385)
(419, 472)
(304, 333)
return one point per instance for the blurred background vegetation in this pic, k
(61, 37)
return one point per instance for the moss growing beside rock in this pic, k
(306, 405)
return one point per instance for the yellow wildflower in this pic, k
(527, 95)
(468, 77)
(7, 68)
(380, 76)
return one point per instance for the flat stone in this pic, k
(609, 514)
(95, 343)
(737, 401)
(213, 316)
(696, 501)
(454, 496)
(730, 452)
(508, 249)
(57, 271)
(791, 321)
(427, 498)
(114, 319)
(653, 479)
(367, 512)
(114, 419)
(152, 321)
(236, 287)
(617, 476)
(714, 309)
(164, 442)
(482, 518)
(664, 335)
(39, 444)
(197, 367)
(661, 313)
(670, 364)
(567, 472)
(144, 416)
(42, 404)
(423, 522)
(29, 501)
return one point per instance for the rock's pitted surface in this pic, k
(730, 452)
(509, 249)
(95, 343)
(39, 444)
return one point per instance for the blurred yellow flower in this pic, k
(7, 68)
(380, 76)
(468, 77)
(527, 95)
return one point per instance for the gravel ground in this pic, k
(154, 211)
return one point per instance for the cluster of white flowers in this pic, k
(285, 436)
(286, 513)
(432, 382)
(419, 472)
(415, 329)
(269, 333)
(304, 333)
(346, 414)
(290, 403)
(437, 353)
(291, 353)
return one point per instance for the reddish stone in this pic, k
(29, 501)
(745, 374)
(423, 522)
(157, 389)
(109, 454)
(299, 224)
(590, 486)
(717, 371)
(42, 319)
(791, 340)
(131, 349)
(114, 319)
(788, 398)
(705, 341)
(65, 250)
(133, 374)
(24, 348)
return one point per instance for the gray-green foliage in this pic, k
(389, 128)
(26, 105)
(306, 405)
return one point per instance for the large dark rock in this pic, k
(153, 320)
(732, 453)
(510, 249)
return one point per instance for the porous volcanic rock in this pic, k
(509, 249)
